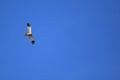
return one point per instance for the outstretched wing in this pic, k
(32, 39)
(29, 28)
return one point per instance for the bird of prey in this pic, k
(29, 33)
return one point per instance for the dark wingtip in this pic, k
(33, 42)
(28, 24)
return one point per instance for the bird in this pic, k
(29, 33)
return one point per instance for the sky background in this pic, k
(75, 40)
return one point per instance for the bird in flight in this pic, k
(29, 33)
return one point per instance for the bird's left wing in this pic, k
(29, 28)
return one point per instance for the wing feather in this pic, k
(32, 39)
(29, 28)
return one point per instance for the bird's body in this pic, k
(29, 33)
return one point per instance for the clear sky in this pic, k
(75, 40)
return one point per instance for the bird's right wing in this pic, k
(32, 39)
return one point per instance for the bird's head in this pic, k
(25, 35)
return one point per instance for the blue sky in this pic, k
(75, 40)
